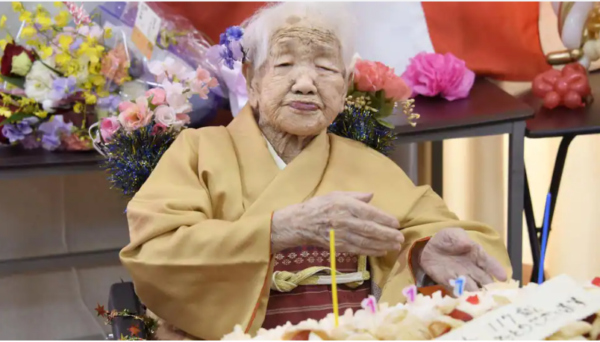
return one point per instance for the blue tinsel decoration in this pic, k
(360, 125)
(132, 156)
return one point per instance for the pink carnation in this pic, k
(375, 76)
(432, 74)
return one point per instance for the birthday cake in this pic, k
(559, 309)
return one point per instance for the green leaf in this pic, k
(385, 123)
(16, 117)
(18, 82)
(385, 110)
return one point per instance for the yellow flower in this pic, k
(46, 52)
(28, 31)
(98, 80)
(3, 43)
(44, 21)
(58, 4)
(95, 68)
(41, 114)
(78, 108)
(17, 6)
(108, 33)
(24, 101)
(63, 58)
(103, 93)
(5, 112)
(25, 16)
(3, 21)
(65, 41)
(34, 44)
(89, 98)
(91, 51)
(62, 19)
(9, 38)
(6, 99)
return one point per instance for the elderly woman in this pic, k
(232, 225)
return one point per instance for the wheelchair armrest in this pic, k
(122, 296)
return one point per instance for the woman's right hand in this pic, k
(360, 228)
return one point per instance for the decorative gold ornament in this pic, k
(591, 31)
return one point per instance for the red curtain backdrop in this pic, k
(497, 39)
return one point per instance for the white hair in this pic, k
(333, 17)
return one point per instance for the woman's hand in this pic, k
(451, 253)
(360, 228)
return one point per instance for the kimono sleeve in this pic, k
(200, 274)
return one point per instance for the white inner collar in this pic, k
(280, 163)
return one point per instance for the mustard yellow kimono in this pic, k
(200, 226)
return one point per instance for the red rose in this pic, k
(11, 50)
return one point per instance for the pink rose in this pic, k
(135, 115)
(432, 74)
(108, 127)
(158, 129)
(159, 96)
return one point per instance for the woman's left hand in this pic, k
(451, 253)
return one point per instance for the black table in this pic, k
(18, 162)
(487, 111)
(567, 124)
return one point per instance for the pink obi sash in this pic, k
(312, 301)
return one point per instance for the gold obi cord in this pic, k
(284, 281)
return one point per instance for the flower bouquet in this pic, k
(134, 141)
(56, 75)
(182, 47)
(375, 93)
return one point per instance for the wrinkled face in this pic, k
(301, 87)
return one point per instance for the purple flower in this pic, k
(75, 45)
(110, 103)
(230, 48)
(18, 131)
(62, 87)
(52, 130)
(31, 142)
(233, 33)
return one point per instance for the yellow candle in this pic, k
(334, 293)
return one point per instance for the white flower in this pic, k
(176, 98)
(165, 115)
(169, 68)
(48, 105)
(38, 82)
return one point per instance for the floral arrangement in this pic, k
(433, 74)
(376, 92)
(134, 141)
(57, 79)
